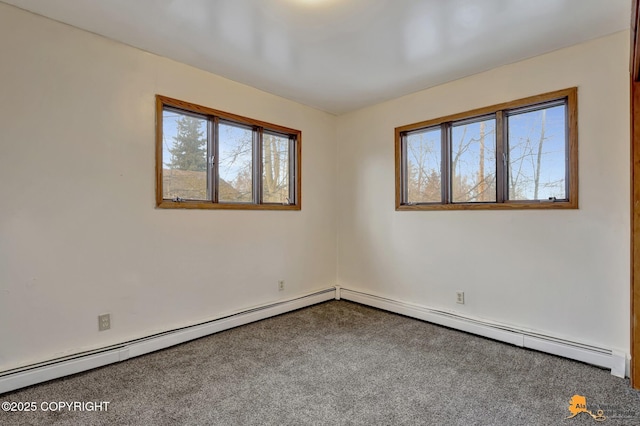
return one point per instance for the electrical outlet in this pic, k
(460, 297)
(104, 322)
(280, 285)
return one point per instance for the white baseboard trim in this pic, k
(601, 357)
(42, 372)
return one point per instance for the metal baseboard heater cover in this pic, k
(601, 357)
(42, 372)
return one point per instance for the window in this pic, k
(208, 159)
(518, 155)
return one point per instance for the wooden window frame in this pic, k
(214, 116)
(499, 111)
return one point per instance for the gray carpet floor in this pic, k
(337, 363)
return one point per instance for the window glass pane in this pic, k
(275, 168)
(424, 158)
(235, 164)
(184, 156)
(537, 153)
(473, 162)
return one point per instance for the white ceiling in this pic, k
(341, 55)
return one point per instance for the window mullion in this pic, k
(446, 162)
(213, 158)
(501, 158)
(257, 164)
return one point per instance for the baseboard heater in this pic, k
(42, 372)
(601, 357)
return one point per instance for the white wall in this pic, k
(562, 273)
(79, 234)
